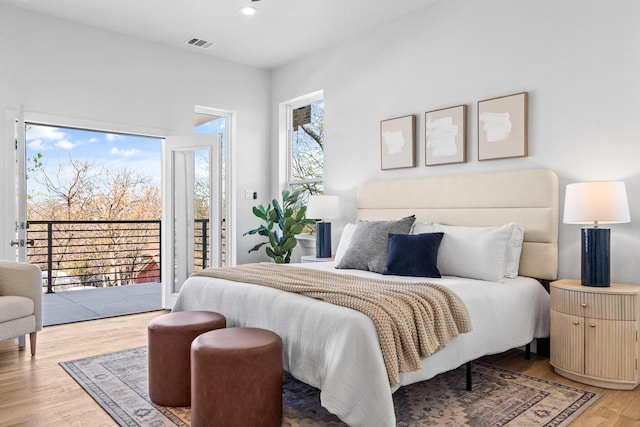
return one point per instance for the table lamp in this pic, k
(321, 208)
(602, 202)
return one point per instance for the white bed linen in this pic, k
(336, 349)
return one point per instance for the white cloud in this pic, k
(94, 139)
(38, 145)
(113, 137)
(124, 153)
(65, 144)
(45, 133)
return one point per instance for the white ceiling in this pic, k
(281, 30)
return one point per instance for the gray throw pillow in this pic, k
(369, 246)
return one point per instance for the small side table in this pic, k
(313, 258)
(594, 333)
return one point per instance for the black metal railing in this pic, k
(201, 236)
(103, 253)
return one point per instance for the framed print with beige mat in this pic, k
(503, 127)
(398, 143)
(445, 136)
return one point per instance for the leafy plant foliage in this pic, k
(281, 225)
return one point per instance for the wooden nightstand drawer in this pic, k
(595, 304)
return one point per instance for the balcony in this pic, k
(95, 269)
(97, 303)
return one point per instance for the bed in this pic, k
(336, 349)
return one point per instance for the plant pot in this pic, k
(306, 246)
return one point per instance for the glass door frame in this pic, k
(9, 209)
(229, 180)
(177, 265)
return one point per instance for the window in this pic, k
(305, 145)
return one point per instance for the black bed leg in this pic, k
(527, 351)
(468, 376)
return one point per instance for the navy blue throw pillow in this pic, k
(413, 255)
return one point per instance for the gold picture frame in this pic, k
(503, 127)
(445, 136)
(398, 142)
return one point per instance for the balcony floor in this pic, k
(97, 303)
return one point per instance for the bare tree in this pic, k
(79, 192)
(71, 186)
(307, 159)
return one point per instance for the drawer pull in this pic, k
(593, 325)
(575, 322)
(584, 305)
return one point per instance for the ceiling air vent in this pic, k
(199, 43)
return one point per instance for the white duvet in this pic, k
(336, 349)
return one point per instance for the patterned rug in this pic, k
(118, 382)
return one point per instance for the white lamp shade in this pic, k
(600, 202)
(323, 207)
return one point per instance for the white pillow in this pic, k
(514, 250)
(474, 252)
(345, 239)
(419, 224)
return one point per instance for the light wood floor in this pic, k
(37, 391)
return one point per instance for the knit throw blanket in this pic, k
(413, 320)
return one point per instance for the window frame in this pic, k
(287, 107)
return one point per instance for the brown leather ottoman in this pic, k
(236, 378)
(170, 336)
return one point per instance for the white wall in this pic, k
(66, 69)
(578, 60)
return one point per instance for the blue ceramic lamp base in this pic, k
(323, 239)
(595, 257)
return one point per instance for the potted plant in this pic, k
(281, 225)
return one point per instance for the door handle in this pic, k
(21, 242)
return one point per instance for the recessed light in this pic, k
(248, 11)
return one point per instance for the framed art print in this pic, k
(503, 127)
(445, 136)
(398, 142)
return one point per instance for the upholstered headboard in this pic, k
(528, 198)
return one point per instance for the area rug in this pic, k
(118, 382)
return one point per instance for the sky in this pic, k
(113, 151)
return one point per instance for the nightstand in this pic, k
(594, 333)
(313, 258)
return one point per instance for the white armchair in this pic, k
(20, 302)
